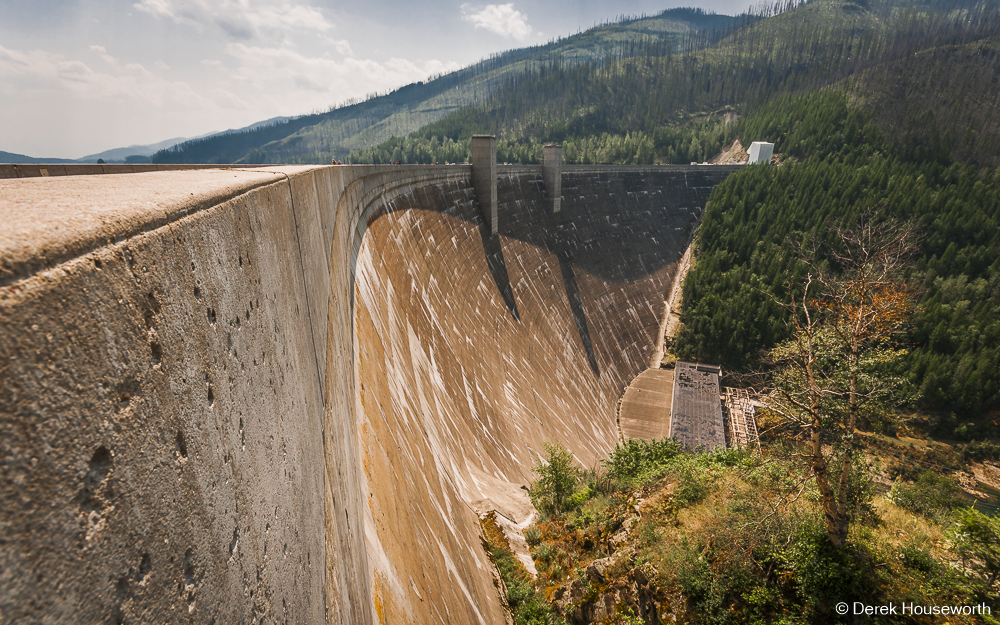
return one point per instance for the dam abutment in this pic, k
(291, 403)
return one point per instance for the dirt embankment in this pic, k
(732, 154)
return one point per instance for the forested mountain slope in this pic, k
(657, 107)
(841, 163)
(320, 137)
(944, 97)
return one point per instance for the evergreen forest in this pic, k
(839, 162)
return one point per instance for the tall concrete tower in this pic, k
(484, 177)
(552, 174)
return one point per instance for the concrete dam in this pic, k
(285, 394)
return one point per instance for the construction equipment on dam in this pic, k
(283, 393)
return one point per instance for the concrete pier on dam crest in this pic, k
(285, 394)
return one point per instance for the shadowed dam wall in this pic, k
(284, 394)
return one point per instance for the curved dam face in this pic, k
(286, 394)
(472, 350)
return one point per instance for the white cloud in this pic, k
(247, 62)
(103, 53)
(502, 19)
(73, 106)
(115, 82)
(241, 19)
(98, 98)
(342, 46)
(319, 81)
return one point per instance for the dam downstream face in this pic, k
(285, 394)
(471, 350)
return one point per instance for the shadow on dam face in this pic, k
(619, 227)
(493, 250)
(576, 304)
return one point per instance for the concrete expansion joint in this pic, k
(305, 281)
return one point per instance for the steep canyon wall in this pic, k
(283, 395)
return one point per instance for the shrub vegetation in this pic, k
(731, 537)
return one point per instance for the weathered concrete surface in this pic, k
(50, 220)
(484, 177)
(696, 419)
(160, 409)
(289, 404)
(552, 174)
(36, 170)
(645, 407)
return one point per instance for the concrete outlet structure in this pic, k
(484, 177)
(552, 174)
(284, 394)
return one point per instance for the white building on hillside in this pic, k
(760, 152)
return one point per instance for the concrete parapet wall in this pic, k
(41, 170)
(159, 417)
(284, 393)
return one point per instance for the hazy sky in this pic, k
(82, 76)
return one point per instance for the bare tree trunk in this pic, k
(861, 303)
(829, 498)
(819, 464)
(843, 520)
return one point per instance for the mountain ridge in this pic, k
(318, 138)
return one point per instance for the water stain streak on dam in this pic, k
(284, 394)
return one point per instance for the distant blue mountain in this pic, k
(9, 157)
(118, 155)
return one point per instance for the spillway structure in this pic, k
(286, 394)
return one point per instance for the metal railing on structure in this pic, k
(742, 422)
